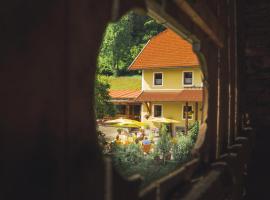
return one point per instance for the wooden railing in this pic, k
(161, 188)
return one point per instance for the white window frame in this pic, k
(153, 109)
(154, 85)
(183, 79)
(182, 114)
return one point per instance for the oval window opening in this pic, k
(149, 98)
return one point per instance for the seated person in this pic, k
(146, 145)
(141, 137)
(117, 137)
(138, 134)
(125, 133)
(123, 137)
(146, 141)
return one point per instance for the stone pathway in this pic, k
(110, 132)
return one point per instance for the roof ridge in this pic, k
(162, 32)
(166, 49)
(166, 30)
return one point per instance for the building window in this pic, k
(137, 109)
(190, 112)
(121, 109)
(158, 78)
(157, 110)
(188, 78)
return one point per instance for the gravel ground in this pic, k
(110, 132)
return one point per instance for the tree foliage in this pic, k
(123, 41)
(103, 105)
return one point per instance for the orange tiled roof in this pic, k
(124, 94)
(183, 95)
(167, 49)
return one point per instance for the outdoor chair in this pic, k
(146, 148)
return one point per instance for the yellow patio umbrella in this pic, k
(163, 120)
(124, 125)
(121, 122)
(115, 121)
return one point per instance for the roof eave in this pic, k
(130, 66)
(165, 67)
(191, 100)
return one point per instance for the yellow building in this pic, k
(171, 81)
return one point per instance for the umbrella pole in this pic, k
(186, 115)
(171, 129)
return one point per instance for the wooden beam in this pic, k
(148, 106)
(202, 16)
(257, 51)
(157, 12)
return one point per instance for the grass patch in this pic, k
(124, 82)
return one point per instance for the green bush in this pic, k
(134, 153)
(101, 138)
(164, 143)
(103, 104)
(194, 131)
(118, 150)
(184, 143)
(163, 129)
(182, 148)
(153, 155)
(131, 154)
(130, 160)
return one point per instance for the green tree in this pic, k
(114, 52)
(164, 143)
(123, 41)
(103, 105)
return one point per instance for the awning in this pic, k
(189, 95)
(124, 94)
